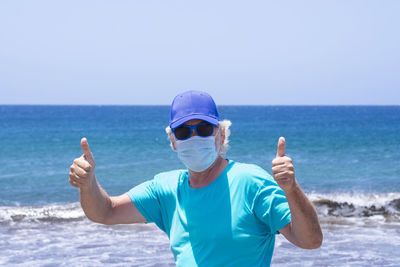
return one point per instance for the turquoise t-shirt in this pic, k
(230, 222)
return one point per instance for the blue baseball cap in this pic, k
(193, 105)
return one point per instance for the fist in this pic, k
(82, 169)
(282, 168)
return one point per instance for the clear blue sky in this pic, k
(241, 52)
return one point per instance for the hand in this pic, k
(82, 169)
(283, 169)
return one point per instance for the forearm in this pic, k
(305, 226)
(95, 202)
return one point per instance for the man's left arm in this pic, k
(304, 230)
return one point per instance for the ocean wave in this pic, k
(51, 213)
(334, 206)
(351, 205)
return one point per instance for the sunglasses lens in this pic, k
(182, 132)
(205, 129)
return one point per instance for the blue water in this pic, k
(334, 149)
(346, 158)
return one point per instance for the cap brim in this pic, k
(193, 117)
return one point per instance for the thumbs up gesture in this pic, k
(283, 169)
(82, 169)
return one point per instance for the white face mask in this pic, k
(197, 153)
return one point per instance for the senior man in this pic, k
(218, 212)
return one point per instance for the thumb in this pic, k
(86, 148)
(281, 147)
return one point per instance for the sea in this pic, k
(346, 159)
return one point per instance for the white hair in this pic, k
(222, 126)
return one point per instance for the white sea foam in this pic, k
(28, 235)
(335, 206)
(364, 210)
(359, 199)
(51, 213)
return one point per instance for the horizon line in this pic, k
(168, 105)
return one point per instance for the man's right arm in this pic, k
(96, 203)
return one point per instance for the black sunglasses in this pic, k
(202, 129)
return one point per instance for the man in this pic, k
(218, 212)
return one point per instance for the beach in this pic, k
(62, 235)
(346, 159)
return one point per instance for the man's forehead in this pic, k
(193, 122)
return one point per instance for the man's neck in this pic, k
(204, 178)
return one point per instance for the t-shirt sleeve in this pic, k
(144, 196)
(271, 207)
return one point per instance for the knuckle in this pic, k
(284, 165)
(286, 159)
(288, 166)
(276, 162)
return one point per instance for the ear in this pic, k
(173, 145)
(221, 137)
